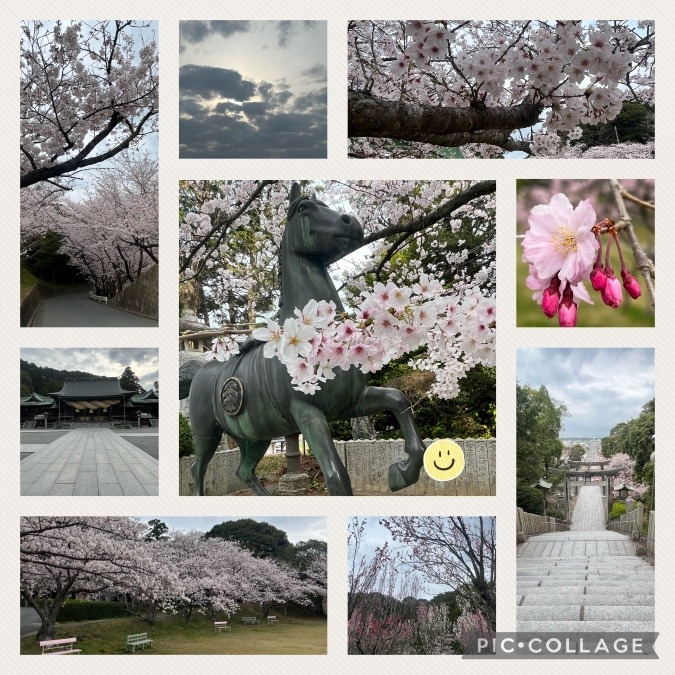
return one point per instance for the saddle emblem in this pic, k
(232, 396)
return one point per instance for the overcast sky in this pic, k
(600, 387)
(253, 89)
(296, 528)
(107, 362)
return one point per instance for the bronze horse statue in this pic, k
(251, 397)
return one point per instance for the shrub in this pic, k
(186, 445)
(530, 500)
(618, 510)
(89, 610)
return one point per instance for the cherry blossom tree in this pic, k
(88, 92)
(448, 226)
(624, 465)
(416, 87)
(111, 235)
(62, 556)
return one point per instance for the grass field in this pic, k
(296, 634)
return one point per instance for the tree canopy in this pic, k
(538, 423)
(261, 539)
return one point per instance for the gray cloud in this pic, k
(197, 31)
(210, 82)
(317, 73)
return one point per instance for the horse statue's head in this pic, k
(316, 231)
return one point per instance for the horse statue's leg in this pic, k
(313, 426)
(205, 448)
(251, 452)
(380, 399)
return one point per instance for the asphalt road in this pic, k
(76, 309)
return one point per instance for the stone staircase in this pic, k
(583, 580)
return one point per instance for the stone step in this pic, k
(586, 599)
(635, 584)
(621, 561)
(591, 589)
(585, 626)
(583, 613)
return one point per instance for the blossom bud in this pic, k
(567, 312)
(630, 283)
(551, 298)
(598, 278)
(612, 294)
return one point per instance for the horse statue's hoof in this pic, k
(397, 480)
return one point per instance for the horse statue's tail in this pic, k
(186, 374)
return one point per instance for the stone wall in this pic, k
(31, 303)
(141, 296)
(368, 463)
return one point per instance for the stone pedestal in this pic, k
(293, 482)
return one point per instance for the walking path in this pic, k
(587, 579)
(76, 309)
(89, 462)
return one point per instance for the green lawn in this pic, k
(171, 635)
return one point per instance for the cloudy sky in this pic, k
(107, 362)
(600, 387)
(296, 528)
(253, 89)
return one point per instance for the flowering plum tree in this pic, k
(88, 92)
(490, 86)
(445, 227)
(456, 551)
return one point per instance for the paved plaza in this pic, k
(587, 579)
(94, 461)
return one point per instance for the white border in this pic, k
(337, 165)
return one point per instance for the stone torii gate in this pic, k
(588, 473)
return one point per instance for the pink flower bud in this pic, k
(551, 298)
(630, 283)
(567, 312)
(549, 303)
(598, 278)
(612, 294)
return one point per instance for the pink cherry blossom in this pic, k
(560, 240)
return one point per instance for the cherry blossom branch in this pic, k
(642, 261)
(376, 117)
(636, 200)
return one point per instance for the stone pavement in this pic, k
(584, 580)
(89, 462)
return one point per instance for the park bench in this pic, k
(61, 646)
(249, 620)
(221, 626)
(272, 619)
(138, 640)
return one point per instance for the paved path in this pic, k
(584, 580)
(76, 309)
(89, 462)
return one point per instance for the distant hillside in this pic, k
(44, 380)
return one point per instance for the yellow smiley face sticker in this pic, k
(444, 460)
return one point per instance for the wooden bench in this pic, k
(138, 640)
(221, 626)
(272, 619)
(249, 620)
(63, 645)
